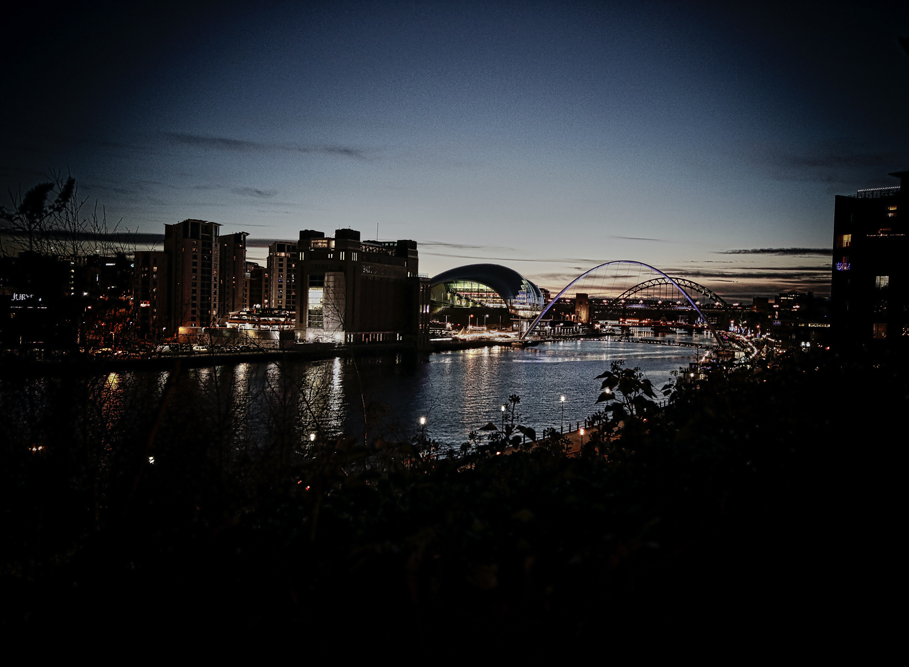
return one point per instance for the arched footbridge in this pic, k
(673, 288)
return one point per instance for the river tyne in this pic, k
(458, 392)
(385, 396)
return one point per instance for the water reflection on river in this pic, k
(457, 392)
(460, 391)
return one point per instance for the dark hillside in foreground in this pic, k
(758, 501)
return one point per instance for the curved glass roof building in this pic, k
(486, 286)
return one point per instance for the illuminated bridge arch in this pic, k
(662, 276)
(689, 287)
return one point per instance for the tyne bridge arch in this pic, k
(679, 287)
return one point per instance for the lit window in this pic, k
(880, 330)
(881, 282)
(844, 240)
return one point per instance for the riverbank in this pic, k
(15, 365)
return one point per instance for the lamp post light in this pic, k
(582, 437)
(503, 416)
(422, 428)
(562, 427)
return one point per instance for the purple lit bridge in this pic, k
(614, 277)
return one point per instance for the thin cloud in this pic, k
(729, 284)
(637, 238)
(841, 165)
(242, 146)
(551, 260)
(778, 251)
(124, 238)
(254, 192)
(461, 246)
(780, 274)
(837, 160)
(264, 243)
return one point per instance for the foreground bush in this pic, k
(762, 489)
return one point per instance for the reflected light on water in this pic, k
(457, 392)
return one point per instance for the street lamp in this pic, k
(562, 427)
(503, 416)
(422, 428)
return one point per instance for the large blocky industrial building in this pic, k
(355, 291)
(870, 281)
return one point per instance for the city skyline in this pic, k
(705, 140)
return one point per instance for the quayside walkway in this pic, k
(576, 439)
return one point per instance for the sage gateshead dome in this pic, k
(486, 286)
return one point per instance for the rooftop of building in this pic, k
(505, 281)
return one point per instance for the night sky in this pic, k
(703, 139)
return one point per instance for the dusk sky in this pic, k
(706, 140)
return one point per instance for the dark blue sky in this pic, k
(672, 133)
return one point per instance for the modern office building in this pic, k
(357, 291)
(870, 278)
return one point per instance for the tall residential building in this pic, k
(195, 258)
(870, 281)
(359, 291)
(256, 281)
(150, 293)
(234, 282)
(282, 260)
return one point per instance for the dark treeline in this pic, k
(755, 499)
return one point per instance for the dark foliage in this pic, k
(755, 500)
